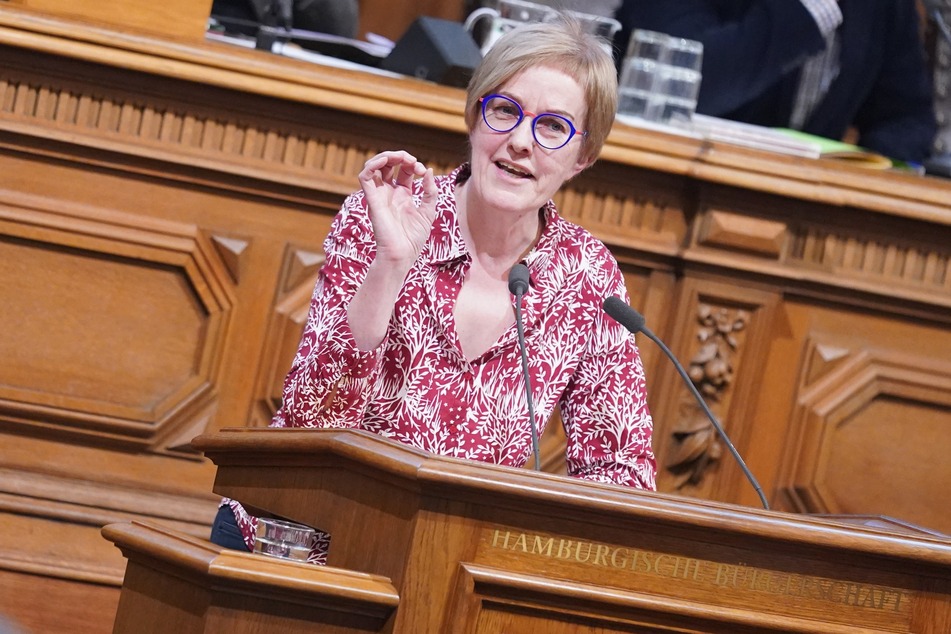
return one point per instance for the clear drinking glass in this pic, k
(660, 78)
(684, 53)
(286, 540)
(636, 91)
(679, 80)
(678, 90)
(648, 45)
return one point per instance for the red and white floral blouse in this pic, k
(418, 388)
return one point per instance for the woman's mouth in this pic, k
(511, 169)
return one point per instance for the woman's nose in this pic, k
(521, 137)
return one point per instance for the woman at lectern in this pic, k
(412, 330)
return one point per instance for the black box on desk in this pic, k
(438, 50)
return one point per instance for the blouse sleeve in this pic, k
(327, 385)
(604, 407)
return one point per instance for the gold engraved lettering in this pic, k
(587, 552)
(521, 543)
(851, 594)
(718, 574)
(829, 591)
(726, 575)
(619, 558)
(778, 584)
(871, 601)
(647, 558)
(898, 597)
(794, 586)
(688, 565)
(539, 549)
(504, 544)
(657, 563)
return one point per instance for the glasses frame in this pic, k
(523, 113)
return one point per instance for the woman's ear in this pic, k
(581, 165)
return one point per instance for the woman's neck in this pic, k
(501, 236)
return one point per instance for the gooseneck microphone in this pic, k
(635, 323)
(518, 286)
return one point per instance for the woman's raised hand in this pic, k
(401, 225)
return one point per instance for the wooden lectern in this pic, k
(426, 544)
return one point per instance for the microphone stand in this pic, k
(634, 322)
(518, 286)
(277, 18)
(706, 409)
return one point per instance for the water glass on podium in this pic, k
(286, 540)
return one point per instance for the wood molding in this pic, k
(845, 431)
(75, 250)
(177, 19)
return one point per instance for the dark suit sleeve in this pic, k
(898, 117)
(747, 46)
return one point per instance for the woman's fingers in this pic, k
(406, 172)
(396, 167)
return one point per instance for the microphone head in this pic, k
(518, 280)
(624, 314)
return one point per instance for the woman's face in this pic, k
(510, 171)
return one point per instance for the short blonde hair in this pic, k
(563, 44)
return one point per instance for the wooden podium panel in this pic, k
(475, 548)
(176, 583)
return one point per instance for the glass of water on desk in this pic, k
(660, 78)
(679, 80)
(677, 94)
(637, 88)
(637, 94)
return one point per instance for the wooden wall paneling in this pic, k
(80, 606)
(96, 384)
(186, 19)
(874, 276)
(136, 165)
(306, 150)
(91, 375)
(295, 288)
(637, 209)
(719, 333)
(869, 414)
(73, 461)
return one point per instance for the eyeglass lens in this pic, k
(502, 114)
